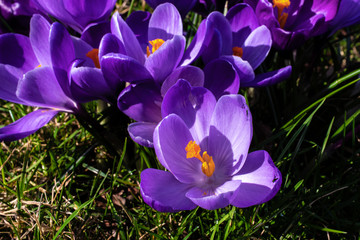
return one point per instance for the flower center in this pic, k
(237, 51)
(208, 165)
(281, 4)
(156, 44)
(94, 55)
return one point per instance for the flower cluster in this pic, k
(180, 92)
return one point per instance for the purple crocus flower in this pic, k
(184, 6)
(34, 72)
(241, 40)
(293, 22)
(80, 14)
(204, 143)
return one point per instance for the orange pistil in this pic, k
(208, 165)
(238, 51)
(156, 44)
(94, 55)
(281, 4)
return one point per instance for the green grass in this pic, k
(62, 183)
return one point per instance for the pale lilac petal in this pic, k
(141, 102)
(126, 36)
(40, 87)
(164, 60)
(142, 133)
(10, 77)
(230, 133)
(243, 68)
(171, 137)
(192, 74)
(165, 23)
(213, 198)
(260, 178)
(257, 46)
(221, 78)
(26, 125)
(161, 191)
(16, 50)
(193, 104)
(39, 38)
(269, 78)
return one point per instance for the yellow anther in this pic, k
(156, 44)
(93, 54)
(237, 51)
(281, 4)
(193, 151)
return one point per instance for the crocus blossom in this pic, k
(204, 144)
(80, 14)
(241, 40)
(291, 22)
(34, 72)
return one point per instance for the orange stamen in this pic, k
(208, 165)
(238, 51)
(281, 4)
(94, 55)
(156, 44)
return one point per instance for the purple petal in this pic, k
(126, 36)
(164, 60)
(212, 199)
(194, 105)
(261, 180)
(269, 78)
(138, 21)
(16, 50)
(93, 33)
(198, 44)
(39, 38)
(183, 6)
(347, 14)
(10, 77)
(26, 125)
(221, 78)
(40, 87)
(257, 46)
(89, 84)
(243, 21)
(165, 23)
(142, 133)
(230, 133)
(171, 137)
(110, 44)
(119, 68)
(81, 50)
(169, 197)
(141, 102)
(221, 24)
(62, 54)
(85, 12)
(243, 68)
(192, 74)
